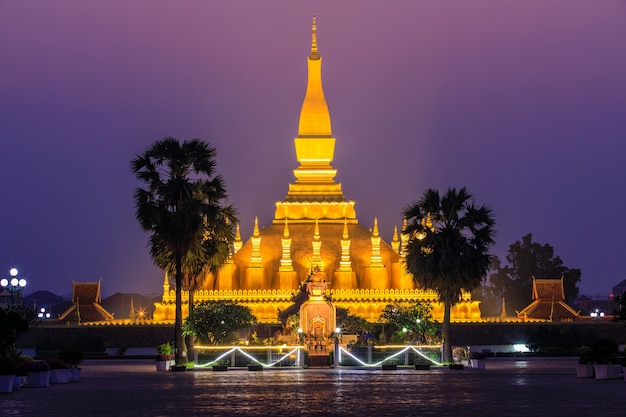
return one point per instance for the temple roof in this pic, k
(86, 304)
(548, 289)
(549, 302)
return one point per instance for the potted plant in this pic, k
(8, 369)
(478, 360)
(460, 355)
(72, 356)
(59, 371)
(164, 357)
(221, 365)
(584, 367)
(604, 352)
(390, 365)
(255, 366)
(422, 363)
(38, 373)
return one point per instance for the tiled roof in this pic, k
(548, 304)
(86, 304)
(86, 292)
(548, 289)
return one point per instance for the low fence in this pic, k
(297, 356)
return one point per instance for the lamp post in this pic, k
(43, 315)
(15, 285)
(336, 357)
(597, 314)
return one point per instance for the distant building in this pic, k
(86, 307)
(548, 303)
(620, 288)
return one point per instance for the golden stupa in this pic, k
(315, 227)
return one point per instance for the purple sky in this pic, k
(521, 101)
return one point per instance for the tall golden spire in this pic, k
(315, 194)
(314, 54)
(314, 116)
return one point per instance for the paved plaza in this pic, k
(508, 387)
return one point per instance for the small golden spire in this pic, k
(286, 230)
(375, 232)
(255, 233)
(314, 54)
(345, 229)
(316, 232)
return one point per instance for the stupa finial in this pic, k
(314, 54)
(255, 232)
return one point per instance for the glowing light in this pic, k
(520, 348)
(291, 353)
(377, 364)
(13, 272)
(4, 282)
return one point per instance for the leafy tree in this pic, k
(527, 259)
(350, 323)
(181, 206)
(215, 321)
(447, 250)
(416, 318)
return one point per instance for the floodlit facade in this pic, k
(315, 227)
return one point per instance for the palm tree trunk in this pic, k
(445, 333)
(179, 342)
(190, 339)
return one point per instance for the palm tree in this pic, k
(449, 238)
(182, 207)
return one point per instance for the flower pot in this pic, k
(390, 367)
(422, 367)
(478, 363)
(220, 368)
(255, 367)
(178, 368)
(38, 379)
(162, 365)
(584, 370)
(456, 366)
(74, 374)
(18, 381)
(6, 383)
(60, 376)
(606, 371)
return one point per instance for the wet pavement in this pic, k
(508, 387)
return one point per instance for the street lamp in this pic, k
(43, 314)
(337, 353)
(15, 285)
(597, 314)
